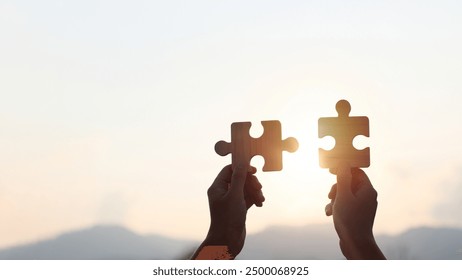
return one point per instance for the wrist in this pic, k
(214, 247)
(361, 248)
(213, 252)
(215, 240)
(233, 238)
(216, 236)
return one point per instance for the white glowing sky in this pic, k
(109, 110)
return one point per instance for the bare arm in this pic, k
(353, 206)
(230, 196)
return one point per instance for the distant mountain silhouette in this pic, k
(424, 243)
(278, 242)
(281, 242)
(321, 242)
(101, 242)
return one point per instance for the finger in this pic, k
(258, 198)
(359, 177)
(333, 192)
(253, 191)
(219, 186)
(363, 186)
(252, 170)
(367, 194)
(344, 181)
(252, 182)
(328, 209)
(224, 177)
(257, 191)
(249, 202)
(360, 181)
(238, 179)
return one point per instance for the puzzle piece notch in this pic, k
(344, 129)
(243, 147)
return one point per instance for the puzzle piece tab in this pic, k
(270, 146)
(344, 129)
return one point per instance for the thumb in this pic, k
(344, 181)
(238, 181)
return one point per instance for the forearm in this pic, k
(364, 249)
(212, 249)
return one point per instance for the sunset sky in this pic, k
(110, 110)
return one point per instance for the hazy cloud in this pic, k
(448, 209)
(113, 209)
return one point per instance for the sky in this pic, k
(110, 110)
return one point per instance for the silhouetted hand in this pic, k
(353, 206)
(230, 196)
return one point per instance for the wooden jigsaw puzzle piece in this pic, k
(270, 146)
(344, 129)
